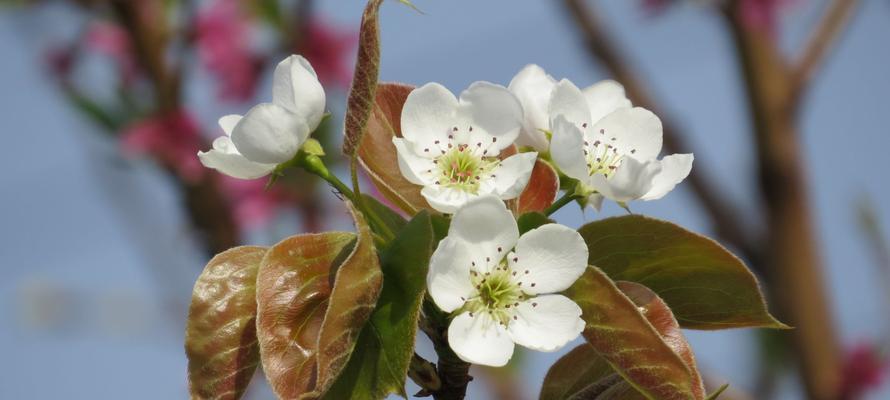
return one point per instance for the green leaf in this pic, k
(293, 287)
(531, 221)
(220, 335)
(384, 349)
(360, 102)
(314, 295)
(718, 392)
(706, 286)
(393, 220)
(377, 155)
(541, 191)
(622, 335)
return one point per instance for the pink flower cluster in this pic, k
(223, 39)
(328, 49)
(174, 138)
(863, 369)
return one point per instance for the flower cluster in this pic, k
(470, 154)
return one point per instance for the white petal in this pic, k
(269, 134)
(295, 87)
(567, 149)
(512, 176)
(595, 200)
(568, 101)
(486, 224)
(674, 168)
(228, 122)
(448, 280)
(632, 180)
(637, 132)
(493, 112)
(546, 323)
(224, 158)
(445, 200)
(413, 167)
(429, 114)
(532, 87)
(480, 340)
(549, 259)
(604, 97)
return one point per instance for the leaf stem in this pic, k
(566, 198)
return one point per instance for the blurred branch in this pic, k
(821, 41)
(793, 260)
(729, 224)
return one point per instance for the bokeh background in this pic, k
(99, 252)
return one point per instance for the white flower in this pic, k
(498, 283)
(614, 154)
(536, 90)
(451, 146)
(270, 133)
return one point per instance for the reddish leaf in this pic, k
(574, 372)
(377, 154)
(628, 342)
(293, 288)
(360, 102)
(307, 325)
(220, 336)
(543, 186)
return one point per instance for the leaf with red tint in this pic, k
(543, 186)
(220, 335)
(360, 103)
(377, 154)
(622, 335)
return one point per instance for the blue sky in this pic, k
(83, 230)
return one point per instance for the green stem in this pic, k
(566, 198)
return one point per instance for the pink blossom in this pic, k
(863, 370)
(111, 40)
(329, 49)
(762, 14)
(222, 34)
(174, 138)
(252, 204)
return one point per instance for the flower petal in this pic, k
(228, 122)
(632, 180)
(512, 175)
(637, 132)
(226, 159)
(674, 168)
(490, 229)
(549, 259)
(295, 87)
(532, 87)
(480, 340)
(494, 114)
(269, 134)
(604, 97)
(448, 280)
(567, 149)
(546, 323)
(429, 114)
(568, 101)
(444, 199)
(413, 167)
(595, 200)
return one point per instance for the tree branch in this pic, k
(727, 222)
(821, 41)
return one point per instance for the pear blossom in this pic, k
(536, 90)
(450, 146)
(611, 149)
(270, 133)
(500, 286)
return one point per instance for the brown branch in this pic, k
(821, 41)
(792, 252)
(730, 225)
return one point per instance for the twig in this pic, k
(728, 223)
(821, 41)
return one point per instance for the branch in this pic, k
(727, 222)
(821, 40)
